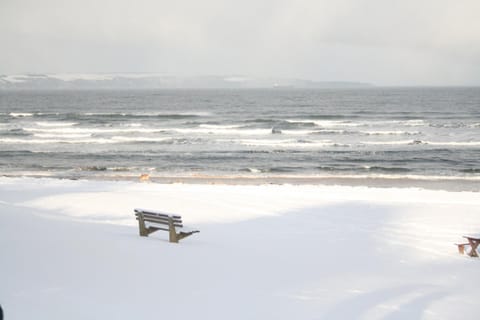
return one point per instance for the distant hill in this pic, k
(158, 81)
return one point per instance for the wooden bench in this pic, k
(473, 242)
(150, 221)
(461, 247)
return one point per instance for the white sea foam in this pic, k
(217, 126)
(139, 139)
(342, 131)
(55, 124)
(413, 123)
(328, 123)
(93, 130)
(219, 131)
(330, 131)
(20, 114)
(459, 144)
(388, 133)
(18, 78)
(82, 139)
(400, 142)
(286, 143)
(349, 123)
(61, 136)
(105, 114)
(419, 142)
(53, 141)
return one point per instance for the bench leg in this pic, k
(172, 232)
(473, 252)
(141, 227)
(461, 248)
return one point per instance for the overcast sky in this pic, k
(409, 42)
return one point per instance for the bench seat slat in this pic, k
(157, 213)
(179, 225)
(149, 216)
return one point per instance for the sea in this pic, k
(280, 133)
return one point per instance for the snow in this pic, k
(68, 77)
(15, 78)
(100, 76)
(71, 250)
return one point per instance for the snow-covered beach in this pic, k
(71, 250)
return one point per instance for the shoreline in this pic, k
(451, 184)
(455, 185)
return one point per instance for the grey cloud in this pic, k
(385, 42)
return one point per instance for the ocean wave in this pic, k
(251, 170)
(354, 123)
(113, 115)
(160, 140)
(61, 136)
(364, 169)
(220, 127)
(139, 139)
(390, 133)
(326, 123)
(284, 169)
(20, 114)
(105, 168)
(78, 130)
(239, 130)
(470, 170)
(365, 133)
(56, 124)
(174, 115)
(54, 141)
(197, 130)
(15, 132)
(386, 169)
(400, 142)
(79, 139)
(421, 142)
(332, 131)
(287, 143)
(219, 131)
(414, 123)
(459, 144)
(133, 125)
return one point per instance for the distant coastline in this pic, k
(160, 81)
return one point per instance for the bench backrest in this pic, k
(159, 217)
